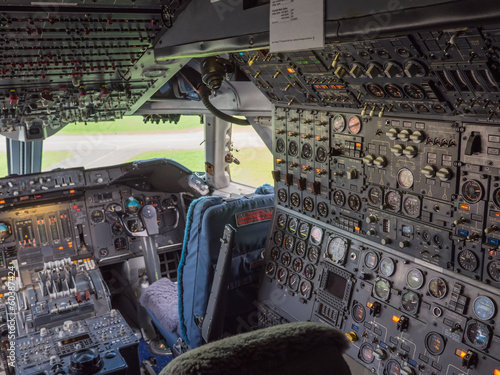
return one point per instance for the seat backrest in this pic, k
(251, 217)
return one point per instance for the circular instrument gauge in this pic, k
(275, 253)
(5, 231)
(438, 239)
(494, 270)
(414, 92)
(121, 244)
(371, 260)
(411, 205)
(300, 248)
(316, 235)
(426, 236)
(405, 178)
(282, 275)
(113, 210)
(435, 343)
(393, 91)
(339, 198)
(313, 254)
(375, 90)
(484, 308)
(281, 221)
(280, 145)
(286, 259)
(406, 107)
(306, 151)
(496, 197)
(321, 154)
(295, 199)
(392, 367)
(337, 249)
(366, 353)
(477, 334)
(103, 252)
(354, 125)
(133, 205)
(375, 195)
(117, 229)
(354, 202)
(339, 123)
(437, 288)
(438, 108)
(292, 225)
(303, 230)
(421, 108)
(415, 278)
(410, 302)
(358, 313)
(293, 282)
(472, 191)
(387, 267)
(308, 204)
(382, 289)
(413, 68)
(278, 237)
(297, 264)
(282, 195)
(309, 271)
(97, 216)
(393, 200)
(468, 260)
(270, 269)
(293, 148)
(322, 209)
(305, 289)
(288, 243)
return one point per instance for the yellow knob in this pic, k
(352, 336)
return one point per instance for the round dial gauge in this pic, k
(438, 239)
(295, 199)
(282, 275)
(387, 267)
(375, 90)
(366, 353)
(5, 231)
(97, 216)
(306, 151)
(113, 210)
(405, 178)
(382, 289)
(392, 367)
(477, 334)
(281, 221)
(280, 145)
(468, 260)
(282, 195)
(309, 271)
(415, 278)
(321, 154)
(358, 313)
(414, 92)
(278, 237)
(435, 343)
(117, 228)
(322, 209)
(410, 302)
(496, 197)
(293, 148)
(288, 243)
(375, 195)
(371, 260)
(337, 249)
(300, 248)
(393, 91)
(354, 202)
(270, 269)
(438, 288)
(494, 270)
(275, 253)
(472, 191)
(121, 244)
(305, 289)
(133, 205)
(308, 204)
(303, 230)
(393, 200)
(297, 264)
(339, 123)
(313, 254)
(292, 225)
(411, 205)
(316, 235)
(484, 308)
(293, 282)
(354, 125)
(286, 259)
(339, 198)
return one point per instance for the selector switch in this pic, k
(371, 219)
(417, 136)
(410, 152)
(380, 162)
(429, 171)
(444, 174)
(392, 134)
(470, 359)
(380, 354)
(404, 135)
(289, 179)
(302, 184)
(368, 159)
(397, 149)
(352, 336)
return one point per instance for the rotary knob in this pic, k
(352, 336)
(380, 354)
(417, 136)
(340, 72)
(371, 219)
(386, 241)
(380, 162)
(410, 152)
(405, 135)
(85, 361)
(429, 171)
(371, 232)
(356, 71)
(392, 70)
(397, 149)
(414, 69)
(444, 174)
(368, 159)
(404, 244)
(392, 133)
(373, 71)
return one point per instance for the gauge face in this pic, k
(297, 264)
(382, 289)
(339, 198)
(308, 204)
(354, 125)
(426, 236)
(293, 282)
(337, 249)
(113, 210)
(392, 367)
(387, 267)
(375, 195)
(117, 228)
(393, 200)
(366, 353)
(438, 288)
(496, 197)
(435, 343)
(133, 205)
(415, 278)
(305, 289)
(321, 154)
(414, 92)
(280, 145)
(270, 269)
(282, 275)
(484, 308)
(322, 209)
(410, 302)
(293, 148)
(303, 230)
(371, 260)
(316, 235)
(300, 248)
(438, 239)
(275, 253)
(278, 237)
(281, 221)
(286, 259)
(477, 334)
(358, 313)
(313, 254)
(309, 271)
(5, 231)
(288, 242)
(97, 216)
(121, 244)
(339, 123)
(468, 260)
(295, 199)
(375, 90)
(393, 91)
(472, 191)
(292, 225)
(282, 195)
(494, 270)
(306, 151)
(405, 178)
(411, 205)
(354, 202)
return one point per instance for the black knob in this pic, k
(85, 361)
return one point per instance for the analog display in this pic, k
(415, 278)
(300, 248)
(316, 235)
(393, 200)
(292, 225)
(121, 244)
(494, 270)
(281, 221)
(382, 289)
(113, 210)
(354, 125)
(484, 308)
(293, 282)
(321, 154)
(375, 195)
(308, 204)
(282, 195)
(103, 252)
(393, 91)
(437, 287)
(5, 231)
(280, 145)
(354, 202)
(97, 216)
(438, 239)
(375, 90)
(117, 228)
(309, 271)
(295, 199)
(435, 343)
(392, 367)
(282, 275)
(275, 253)
(358, 313)
(405, 178)
(293, 148)
(297, 264)
(312, 254)
(337, 249)
(339, 123)
(306, 151)
(278, 237)
(477, 334)
(371, 260)
(322, 209)
(387, 267)
(472, 191)
(410, 302)
(133, 205)
(270, 269)
(414, 92)
(366, 353)
(303, 230)
(286, 259)
(339, 198)
(411, 205)
(496, 197)
(468, 260)
(289, 242)
(305, 289)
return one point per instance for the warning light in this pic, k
(61, 248)
(72, 192)
(2, 201)
(464, 207)
(358, 144)
(496, 372)
(395, 319)
(70, 244)
(460, 353)
(291, 70)
(1, 295)
(369, 305)
(357, 229)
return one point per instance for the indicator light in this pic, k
(460, 353)
(395, 319)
